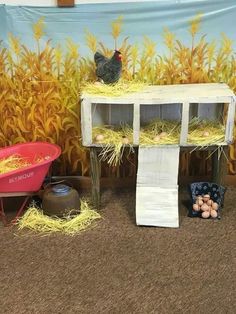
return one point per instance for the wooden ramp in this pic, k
(157, 188)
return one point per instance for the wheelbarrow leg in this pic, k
(20, 210)
(2, 213)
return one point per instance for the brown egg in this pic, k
(163, 134)
(215, 206)
(199, 202)
(157, 138)
(196, 207)
(209, 202)
(214, 213)
(125, 140)
(206, 197)
(99, 138)
(205, 207)
(206, 214)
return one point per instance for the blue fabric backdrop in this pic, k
(139, 19)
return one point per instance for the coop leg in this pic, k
(219, 165)
(95, 177)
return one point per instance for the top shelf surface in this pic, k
(199, 93)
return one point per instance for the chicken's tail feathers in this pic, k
(98, 57)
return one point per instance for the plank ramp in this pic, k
(157, 189)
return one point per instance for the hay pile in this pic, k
(12, 163)
(113, 90)
(35, 220)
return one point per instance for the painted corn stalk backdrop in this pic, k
(41, 82)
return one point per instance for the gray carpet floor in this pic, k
(118, 267)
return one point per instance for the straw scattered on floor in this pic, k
(34, 219)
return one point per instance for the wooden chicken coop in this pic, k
(157, 175)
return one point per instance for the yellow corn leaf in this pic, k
(195, 24)
(19, 139)
(73, 48)
(58, 54)
(116, 27)
(231, 168)
(38, 28)
(169, 38)
(91, 41)
(227, 44)
(15, 44)
(19, 124)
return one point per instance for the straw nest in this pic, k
(158, 132)
(113, 90)
(12, 163)
(35, 220)
(205, 132)
(113, 142)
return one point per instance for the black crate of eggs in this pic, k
(207, 199)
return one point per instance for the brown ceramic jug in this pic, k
(60, 200)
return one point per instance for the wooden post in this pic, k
(65, 3)
(219, 165)
(95, 177)
(184, 123)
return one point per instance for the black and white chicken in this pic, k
(108, 69)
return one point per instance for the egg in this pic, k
(98, 83)
(125, 140)
(209, 202)
(205, 134)
(215, 206)
(206, 197)
(205, 207)
(163, 134)
(206, 214)
(196, 207)
(157, 138)
(99, 138)
(199, 202)
(214, 213)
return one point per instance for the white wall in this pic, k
(54, 2)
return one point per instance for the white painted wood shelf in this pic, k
(205, 96)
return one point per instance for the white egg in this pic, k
(163, 134)
(205, 134)
(125, 140)
(157, 138)
(99, 138)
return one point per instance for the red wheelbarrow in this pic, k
(26, 181)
